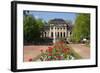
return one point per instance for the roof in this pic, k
(57, 21)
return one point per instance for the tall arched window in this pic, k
(58, 34)
(51, 34)
(61, 34)
(64, 34)
(45, 34)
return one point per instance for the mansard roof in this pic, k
(57, 21)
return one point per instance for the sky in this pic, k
(46, 16)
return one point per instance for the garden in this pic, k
(59, 51)
(43, 50)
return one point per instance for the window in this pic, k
(58, 34)
(51, 34)
(61, 34)
(64, 34)
(52, 28)
(45, 34)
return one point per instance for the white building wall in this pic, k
(56, 29)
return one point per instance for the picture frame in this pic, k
(17, 37)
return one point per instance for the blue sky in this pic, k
(46, 16)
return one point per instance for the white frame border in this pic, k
(29, 65)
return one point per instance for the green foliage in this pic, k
(32, 28)
(81, 28)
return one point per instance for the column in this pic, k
(54, 37)
(65, 31)
(62, 32)
(50, 32)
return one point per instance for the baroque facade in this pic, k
(57, 29)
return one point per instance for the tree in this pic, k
(32, 28)
(81, 28)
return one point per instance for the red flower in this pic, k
(30, 59)
(65, 50)
(59, 57)
(50, 49)
(49, 54)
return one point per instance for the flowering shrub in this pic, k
(59, 51)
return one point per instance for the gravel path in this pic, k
(82, 50)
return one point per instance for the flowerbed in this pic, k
(60, 51)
